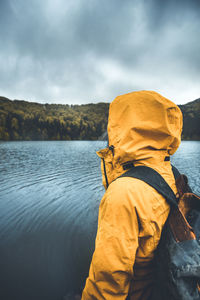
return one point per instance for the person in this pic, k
(144, 128)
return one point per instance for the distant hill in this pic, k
(191, 120)
(22, 120)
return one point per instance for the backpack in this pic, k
(177, 257)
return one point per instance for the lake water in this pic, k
(49, 198)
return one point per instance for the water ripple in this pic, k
(49, 198)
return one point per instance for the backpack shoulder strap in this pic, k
(175, 172)
(154, 179)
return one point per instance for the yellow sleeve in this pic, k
(111, 268)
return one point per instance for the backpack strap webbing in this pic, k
(175, 172)
(154, 179)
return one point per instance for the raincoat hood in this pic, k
(141, 126)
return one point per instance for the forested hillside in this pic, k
(191, 120)
(22, 120)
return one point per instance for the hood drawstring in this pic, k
(104, 165)
(104, 168)
(112, 149)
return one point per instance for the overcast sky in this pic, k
(82, 51)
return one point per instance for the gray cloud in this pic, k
(90, 51)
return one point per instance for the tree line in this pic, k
(22, 120)
(191, 120)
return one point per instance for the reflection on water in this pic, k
(49, 198)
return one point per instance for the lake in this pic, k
(49, 198)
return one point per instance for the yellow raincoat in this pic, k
(143, 128)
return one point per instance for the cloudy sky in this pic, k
(81, 51)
